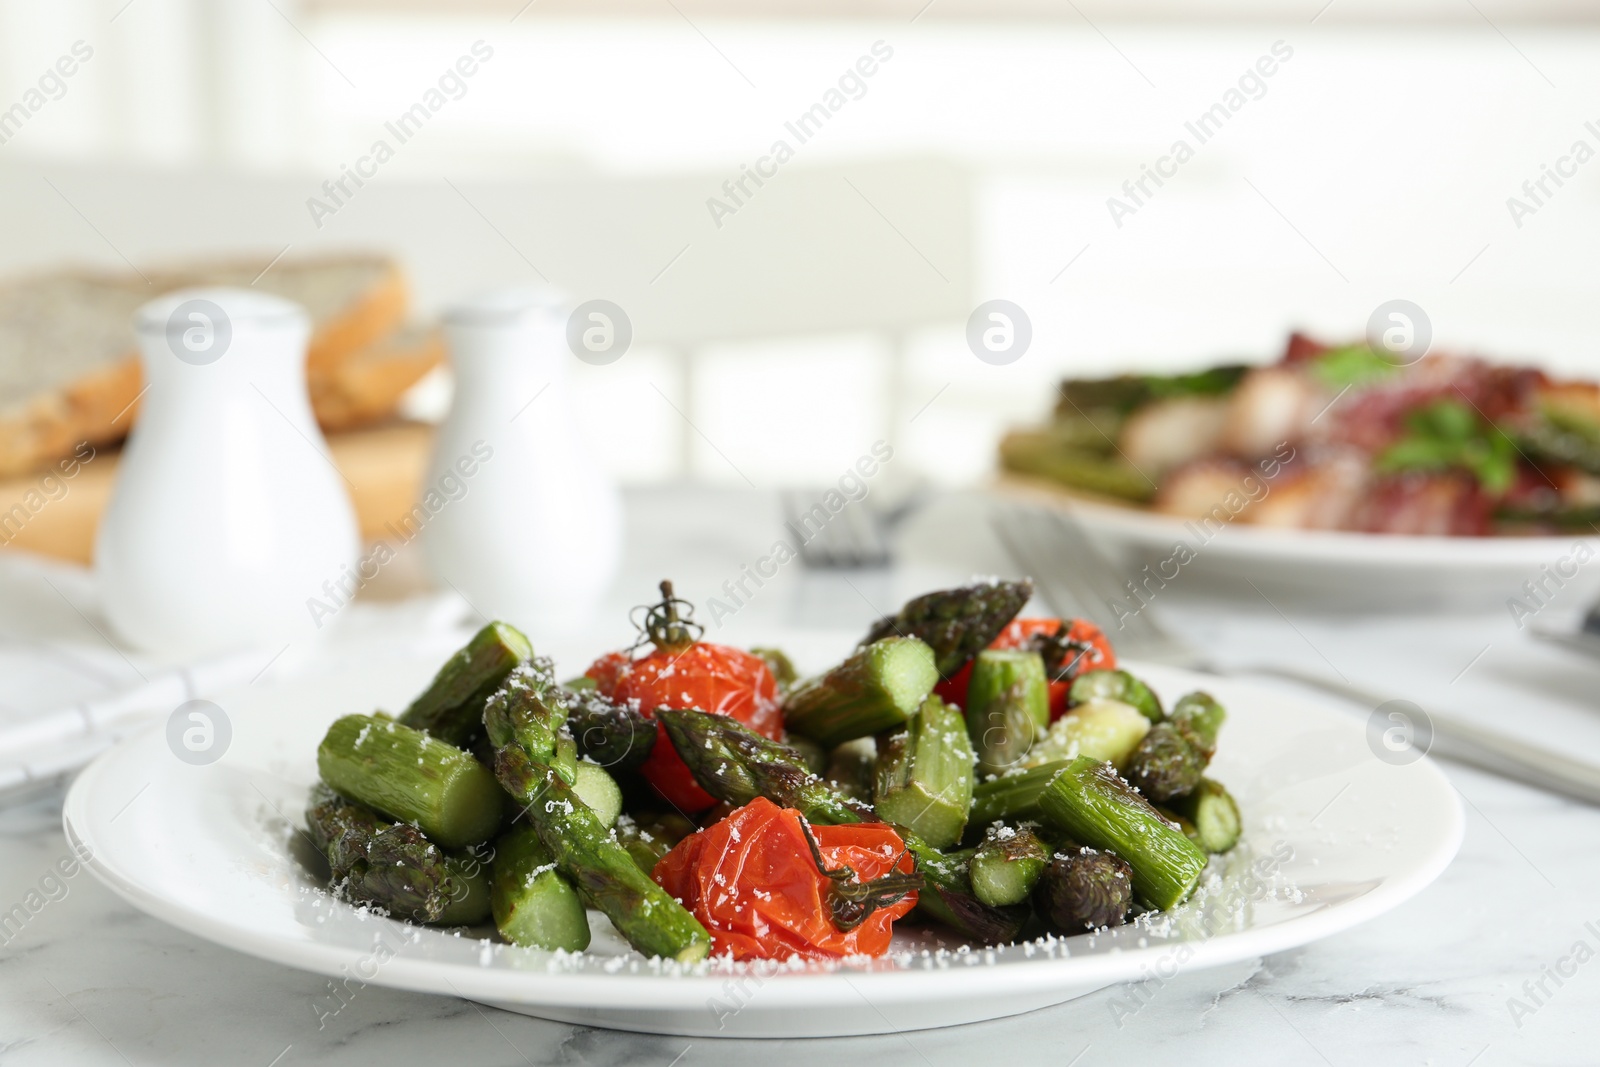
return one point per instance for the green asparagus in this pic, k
(1121, 393)
(451, 708)
(1013, 797)
(1101, 729)
(649, 837)
(1007, 864)
(600, 791)
(412, 777)
(586, 853)
(1128, 391)
(1040, 454)
(1183, 824)
(851, 766)
(781, 666)
(814, 756)
(393, 866)
(1203, 716)
(613, 735)
(1084, 890)
(956, 623)
(532, 709)
(533, 904)
(947, 897)
(1167, 764)
(1095, 807)
(1211, 811)
(1008, 707)
(1116, 685)
(735, 764)
(879, 687)
(924, 774)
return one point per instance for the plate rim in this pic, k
(1153, 529)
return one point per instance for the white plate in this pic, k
(212, 850)
(1336, 568)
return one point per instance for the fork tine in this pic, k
(852, 539)
(1057, 563)
(1060, 601)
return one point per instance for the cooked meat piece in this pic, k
(1314, 493)
(1446, 504)
(1170, 433)
(1271, 406)
(1219, 489)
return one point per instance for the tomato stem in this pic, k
(664, 626)
(850, 900)
(1055, 648)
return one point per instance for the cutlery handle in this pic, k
(1491, 750)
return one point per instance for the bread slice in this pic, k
(56, 514)
(69, 370)
(367, 387)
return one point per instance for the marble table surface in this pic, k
(1490, 965)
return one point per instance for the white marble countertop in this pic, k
(92, 980)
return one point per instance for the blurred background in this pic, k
(774, 340)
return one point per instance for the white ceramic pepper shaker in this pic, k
(228, 517)
(528, 528)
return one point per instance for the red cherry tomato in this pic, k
(1097, 656)
(752, 882)
(713, 678)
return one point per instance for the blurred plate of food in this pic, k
(1340, 470)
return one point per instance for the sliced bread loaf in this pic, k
(69, 369)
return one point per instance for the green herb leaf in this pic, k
(1352, 365)
(1448, 434)
(1213, 382)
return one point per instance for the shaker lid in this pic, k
(239, 305)
(505, 304)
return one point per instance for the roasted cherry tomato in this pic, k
(753, 882)
(680, 672)
(1087, 650)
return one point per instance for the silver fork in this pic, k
(853, 538)
(1075, 580)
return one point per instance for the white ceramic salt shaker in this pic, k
(527, 528)
(227, 518)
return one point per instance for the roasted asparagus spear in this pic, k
(532, 701)
(393, 866)
(879, 687)
(1211, 811)
(924, 774)
(1173, 756)
(451, 708)
(613, 735)
(956, 623)
(1101, 729)
(583, 848)
(1013, 797)
(1116, 685)
(533, 904)
(1008, 707)
(410, 776)
(1083, 889)
(1093, 806)
(1007, 865)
